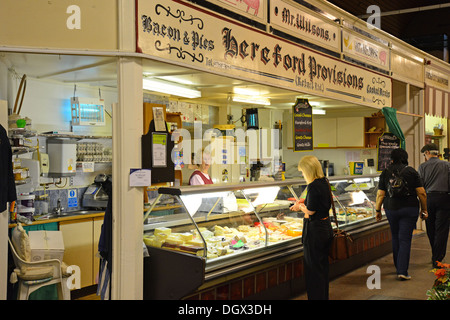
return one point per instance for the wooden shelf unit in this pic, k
(371, 138)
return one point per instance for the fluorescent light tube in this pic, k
(318, 111)
(168, 88)
(251, 100)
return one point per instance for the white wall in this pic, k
(47, 103)
(336, 156)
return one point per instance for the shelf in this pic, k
(410, 114)
(371, 137)
(73, 136)
(22, 150)
(24, 181)
(22, 131)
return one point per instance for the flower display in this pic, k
(441, 286)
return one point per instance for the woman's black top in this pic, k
(318, 198)
(413, 181)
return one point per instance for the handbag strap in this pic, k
(332, 205)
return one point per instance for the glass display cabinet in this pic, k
(224, 228)
(220, 222)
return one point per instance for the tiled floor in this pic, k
(353, 285)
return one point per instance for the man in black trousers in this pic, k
(435, 174)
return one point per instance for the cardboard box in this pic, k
(46, 245)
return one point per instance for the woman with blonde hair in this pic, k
(317, 230)
(200, 175)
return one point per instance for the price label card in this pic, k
(87, 166)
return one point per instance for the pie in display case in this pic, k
(218, 222)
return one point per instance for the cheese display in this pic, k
(352, 213)
(224, 240)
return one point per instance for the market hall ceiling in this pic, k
(421, 23)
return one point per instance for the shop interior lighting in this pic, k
(358, 197)
(169, 88)
(177, 80)
(251, 100)
(318, 111)
(264, 195)
(247, 91)
(193, 201)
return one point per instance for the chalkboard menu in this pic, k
(303, 133)
(386, 143)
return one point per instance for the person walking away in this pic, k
(317, 231)
(402, 210)
(435, 174)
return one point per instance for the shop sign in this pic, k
(303, 124)
(436, 79)
(386, 143)
(70, 24)
(300, 23)
(180, 33)
(253, 9)
(365, 51)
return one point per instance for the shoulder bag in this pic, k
(339, 248)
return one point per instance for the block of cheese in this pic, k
(218, 231)
(162, 231)
(186, 236)
(244, 228)
(206, 233)
(149, 241)
(157, 242)
(221, 251)
(174, 240)
(196, 242)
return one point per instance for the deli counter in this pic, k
(201, 234)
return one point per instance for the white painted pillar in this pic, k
(127, 275)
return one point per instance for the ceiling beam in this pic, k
(411, 10)
(93, 65)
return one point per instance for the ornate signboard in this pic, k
(176, 31)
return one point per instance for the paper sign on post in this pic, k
(140, 177)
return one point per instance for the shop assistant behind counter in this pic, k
(200, 175)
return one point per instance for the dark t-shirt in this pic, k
(318, 198)
(412, 179)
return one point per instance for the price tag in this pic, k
(87, 166)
